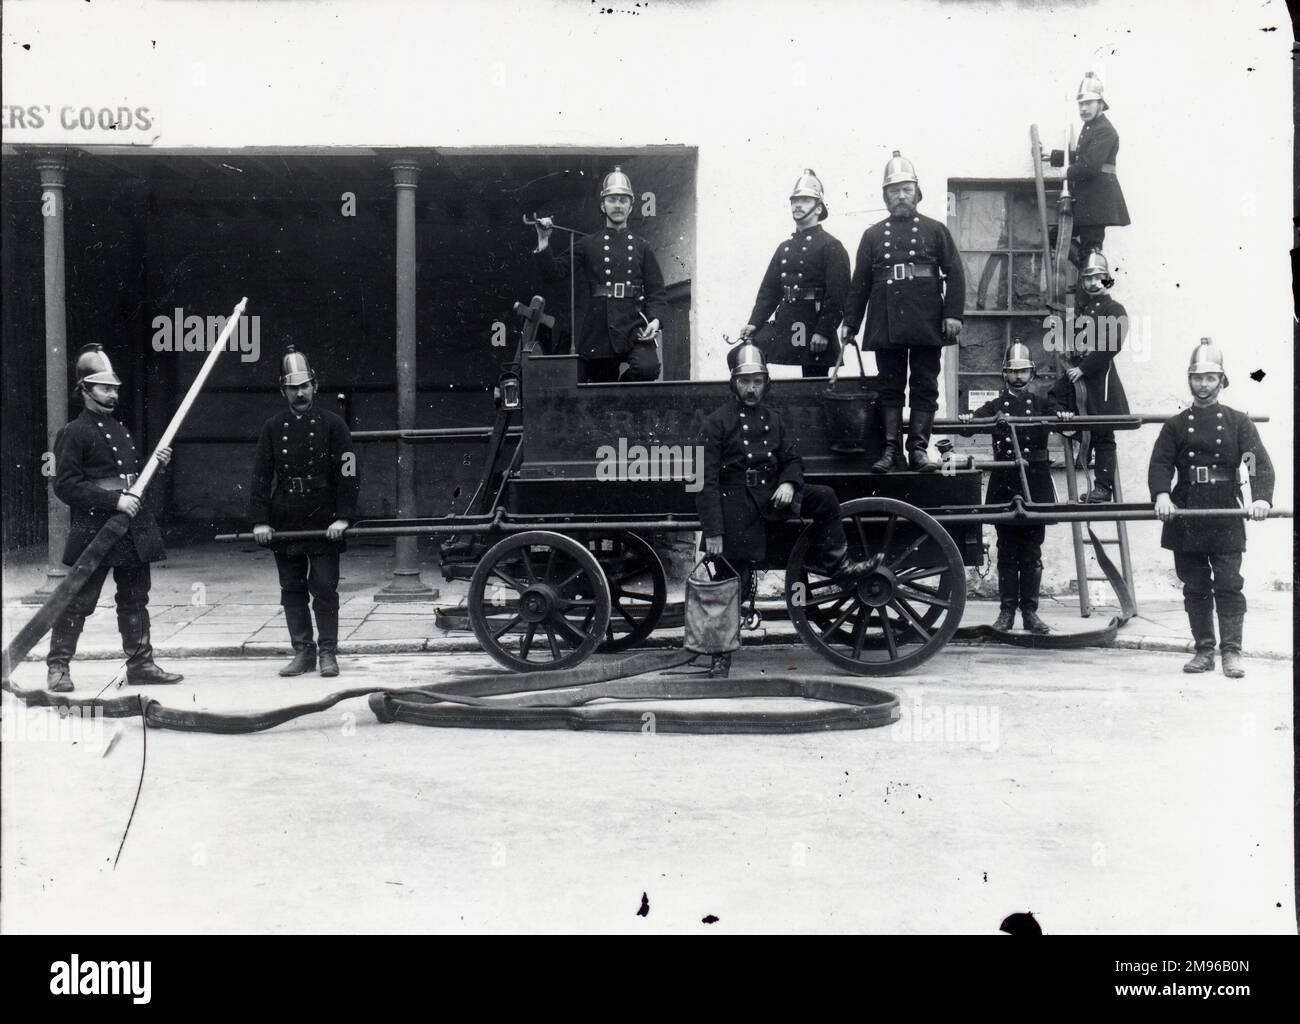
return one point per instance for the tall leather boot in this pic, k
(893, 421)
(919, 425)
(1031, 579)
(1230, 627)
(1008, 595)
(63, 645)
(1200, 615)
(298, 619)
(140, 667)
(327, 638)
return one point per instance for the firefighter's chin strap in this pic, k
(536, 700)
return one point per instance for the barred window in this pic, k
(998, 230)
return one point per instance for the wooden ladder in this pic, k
(1120, 537)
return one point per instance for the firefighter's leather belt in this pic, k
(618, 291)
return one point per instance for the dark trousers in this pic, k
(317, 576)
(1103, 454)
(821, 504)
(1211, 579)
(1090, 237)
(1020, 546)
(642, 364)
(133, 582)
(924, 386)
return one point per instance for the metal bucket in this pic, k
(850, 409)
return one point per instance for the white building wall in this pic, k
(1200, 93)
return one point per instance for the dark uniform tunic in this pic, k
(806, 283)
(1004, 484)
(907, 279)
(896, 282)
(748, 454)
(623, 280)
(1205, 447)
(1100, 327)
(1098, 200)
(305, 455)
(96, 447)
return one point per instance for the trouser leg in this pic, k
(293, 570)
(598, 371)
(891, 364)
(828, 545)
(133, 582)
(1103, 449)
(1193, 568)
(323, 585)
(923, 382)
(642, 362)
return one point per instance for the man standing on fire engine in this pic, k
(909, 281)
(805, 285)
(627, 301)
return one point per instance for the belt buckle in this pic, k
(294, 485)
(751, 478)
(130, 479)
(900, 271)
(620, 290)
(1201, 474)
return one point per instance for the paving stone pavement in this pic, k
(221, 600)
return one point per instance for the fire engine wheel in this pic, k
(638, 589)
(538, 601)
(903, 610)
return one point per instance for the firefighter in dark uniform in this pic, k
(909, 281)
(1205, 446)
(627, 301)
(309, 453)
(1097, 337)
(1020, 548)
(1094, 184)
(753, 473)
(805, 285)
(96, 463)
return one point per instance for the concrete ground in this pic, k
(222, 600)
(1105, 791)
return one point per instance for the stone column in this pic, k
(406, 584)
(53, 169)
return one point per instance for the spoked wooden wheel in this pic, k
(538, 601)
(638, 589)
(896, 615)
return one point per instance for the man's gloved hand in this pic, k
(262, 533)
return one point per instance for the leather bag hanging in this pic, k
(712, 609)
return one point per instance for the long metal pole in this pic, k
(53, 170)
(406, 584)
